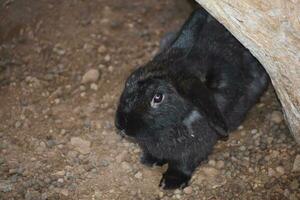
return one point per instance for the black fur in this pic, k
(209, 81)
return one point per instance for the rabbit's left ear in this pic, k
(194, 90)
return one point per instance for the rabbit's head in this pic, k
(149, 104)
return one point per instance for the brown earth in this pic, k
(57, 138)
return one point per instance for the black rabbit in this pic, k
(194, 92)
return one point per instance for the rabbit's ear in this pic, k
(191, 88)
(189, 32)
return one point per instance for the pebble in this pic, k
(18, 124)
(107, 58)
(296, 165)
(122, 156)
(212, 162)
(220, 164)
(94, 86)
(276, 117)
(90, 76)
(138, 175)
(83, 146)
(188, 190)
(125, 165)
(5, 187)
(102, 49)
(280, 170)
(104, 163)
(294, 184)
(64, 192)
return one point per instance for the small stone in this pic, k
(18, 124)
(294, 185)
(60, 173)
(90, 76)
(161, 194)
(220, 164)
(253, 131)
(110, 68)
(32, 195)
(60, 180)
(296, 165)
(107, 58)
(242, 148)
(104, 163)
(125, 165)
(5, 187)
(102, 49)
(271, 172)
(188, 190)
(64, 192)
(138, 175)
(280, 170)
(83, 146)
(276, 117)
(212, 162)
(122, 156)
(94, 86)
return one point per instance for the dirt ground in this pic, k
(57, 137)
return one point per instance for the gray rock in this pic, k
(82, 146)
(5, 187)
(32, 195)
(138, 175)
(90, 76)
(280, 170)
(294, 184)
(188, 190)
(276, 117)
(296, 165)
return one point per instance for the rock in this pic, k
(32, 195)
(188, 190)
(110, 68)
(296, 165)
(122, 156)
(104, 163)
(83, 146)
(64, 192)
(5, 187)
(212, 163)
(102, 49)
(107, 58)
(90, 76)
(126, 166)
(253, 131)
(294, 185)
(280, 170)
(94, 86)
(276, 117)
(138, 175)
(210, 171)
(18, 124)
(220, 164)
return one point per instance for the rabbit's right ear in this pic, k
(189, 33)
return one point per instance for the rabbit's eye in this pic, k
(157, 99)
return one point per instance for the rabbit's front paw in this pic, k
(149, 160)
(173, 180)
